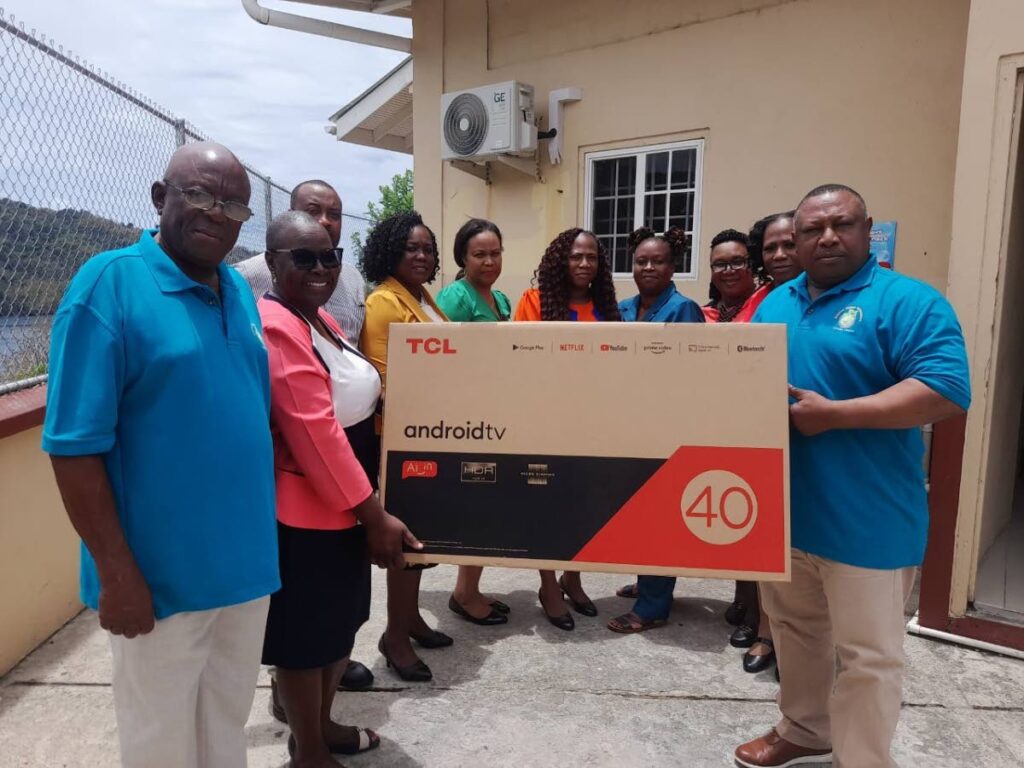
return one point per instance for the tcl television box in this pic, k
(632, 447)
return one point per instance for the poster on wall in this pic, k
(883, 243)
(624, 447)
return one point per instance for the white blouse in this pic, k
(355, 383)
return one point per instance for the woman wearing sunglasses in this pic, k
(400, 255)
(472, 298)
(324, 394)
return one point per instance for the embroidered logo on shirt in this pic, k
(257, 333)
(847, 318)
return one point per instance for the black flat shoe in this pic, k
(500, 607)
(743, 637)
(754, 664)
(433, 640)
(565, 621)
(585, 609)
(736, 613)
(418, 672)
(356, 678)
(491, 619)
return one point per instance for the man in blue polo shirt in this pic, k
(157, 422)
(873, 355)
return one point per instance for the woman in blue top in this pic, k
(654, 264)
(473, 299)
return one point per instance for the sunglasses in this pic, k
(306, 259)
(196, 197)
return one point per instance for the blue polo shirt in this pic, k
(169, 384)
(858, 496)
(670, 307)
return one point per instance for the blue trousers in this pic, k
(655, 600)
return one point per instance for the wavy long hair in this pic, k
(552, 279)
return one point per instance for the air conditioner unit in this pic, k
(485, 122)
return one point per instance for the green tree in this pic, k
(395, 197)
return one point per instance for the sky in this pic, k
(264, 92)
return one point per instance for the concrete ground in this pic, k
(528, 694)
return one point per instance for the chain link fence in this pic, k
(78, 154)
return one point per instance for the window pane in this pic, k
(604, 177)
(680, 210)
(608, 243)
(654, 212)
(626, 182)
(624, 215)
(619, 255)
(684, 166)
(602, 221)
(657, 172)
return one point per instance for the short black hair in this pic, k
(310, 183)
(731, 236)
(727, 236)
(284, 224)
(756, 241)
(467, 232)
(826, 189)
(385, 246)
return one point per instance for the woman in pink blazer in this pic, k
(324, 395)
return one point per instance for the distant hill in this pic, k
(40, 250)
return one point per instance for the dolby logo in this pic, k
(614, 348)
(528, 347)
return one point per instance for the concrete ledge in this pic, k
(22, 410)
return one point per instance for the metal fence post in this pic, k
(56, 214)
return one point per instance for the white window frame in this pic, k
(641, 153)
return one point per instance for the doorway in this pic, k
(999, 581)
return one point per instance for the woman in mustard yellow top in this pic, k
(401, 257)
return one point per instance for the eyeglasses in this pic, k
(196, 197)
(730, 266)
(306, 259)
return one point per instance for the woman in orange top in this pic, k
(323, 397)
(736, 289)
(574, 282)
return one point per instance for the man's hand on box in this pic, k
(812, 413)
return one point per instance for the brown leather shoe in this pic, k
(773, 751)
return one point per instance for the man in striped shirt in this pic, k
(347, 305)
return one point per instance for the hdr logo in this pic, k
(432, 346)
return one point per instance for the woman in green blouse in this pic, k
(472, 299)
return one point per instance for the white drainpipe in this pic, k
(325, 28)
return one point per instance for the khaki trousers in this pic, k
(183, 692)
(832, 610)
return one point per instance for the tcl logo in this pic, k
(431, 346)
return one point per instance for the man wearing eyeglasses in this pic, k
(347, 304)
(157, 426)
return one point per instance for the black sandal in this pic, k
(584, 609)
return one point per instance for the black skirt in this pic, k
(325, 583)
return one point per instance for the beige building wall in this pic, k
(38, 550)
(984, 273)
(786, 94)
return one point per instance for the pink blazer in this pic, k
(318, 477)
